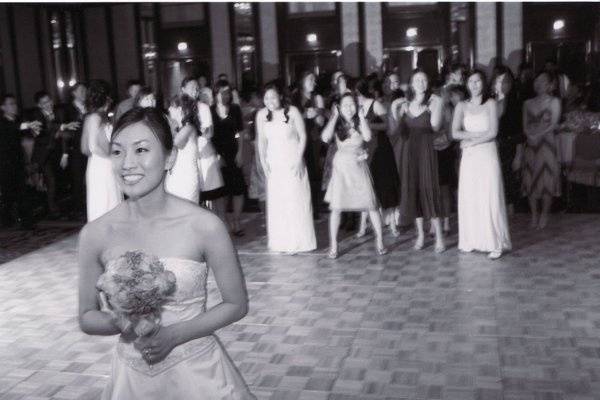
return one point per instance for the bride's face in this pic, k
(139, 160)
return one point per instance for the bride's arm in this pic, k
(221, 257)
(91, 320)
(457, 123)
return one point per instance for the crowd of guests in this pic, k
(373, 149)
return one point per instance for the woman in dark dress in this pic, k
(420, 117)
(510, 132)
(312, 108)
(381, 157)
(228, 142)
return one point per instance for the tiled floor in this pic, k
(409, 325)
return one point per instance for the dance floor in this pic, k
(408, 325)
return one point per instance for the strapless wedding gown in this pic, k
(199, 369)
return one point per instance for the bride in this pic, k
(182, 359)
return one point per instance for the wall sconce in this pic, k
(60, 83)
(182, 46)
(412, 32)
(311, 38)
(558, 24)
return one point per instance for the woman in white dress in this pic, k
(482, 222)
(102, 191)
(281, 142)
(181, 358)
(182, 179)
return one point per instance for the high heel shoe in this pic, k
(382, 250)
(439, 248)
(333, 254)
(419, 244)
(494, 255)
(360, 234)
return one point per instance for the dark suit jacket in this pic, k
(48, 147)
(73, 139)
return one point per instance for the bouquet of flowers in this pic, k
(135, 286)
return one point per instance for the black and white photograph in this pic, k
(300, 200)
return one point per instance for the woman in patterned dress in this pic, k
(541, 176)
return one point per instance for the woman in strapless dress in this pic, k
(181, 358)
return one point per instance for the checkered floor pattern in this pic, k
(408, 325)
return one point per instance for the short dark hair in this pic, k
(223, 76)
(98, 95)
(133, 82)
(362, 87)
(221, 84)
(153, 118)
(76, 85)
(144, 91)
(39, 95)
(7, 96)
(187, 80)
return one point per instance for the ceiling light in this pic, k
(558, 24)
(311, 38)
(412, 32)
(182, 46)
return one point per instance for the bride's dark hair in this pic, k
(98, 95)
(152, 118)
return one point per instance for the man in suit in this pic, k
(133, 90)
(12, 164)
(74, 113)
(50, 148)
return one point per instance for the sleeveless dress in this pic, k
(199, 369)
(541, 175)
(102, 190)
(183, 179)
(289, 210)
(225, 143)
(350, 187)
(482, 222)
(419, 181)
(383, 165)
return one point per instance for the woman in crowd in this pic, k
(541, 175)
(183, 179)
(102, 191)
(381, 158)
(510, 132)
(146, 98)
(181, 358)
(281, 142)
(350, 187)
(482, 222)
(228, 142)
(447, 153)
(419, 118)
(312, 107)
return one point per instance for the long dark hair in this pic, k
(410, 93)
(221, 84)
(341, 126)
(274, 85)
(298, 98)
(98, 95)
(485, 93)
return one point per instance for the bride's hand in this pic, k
(156, 346)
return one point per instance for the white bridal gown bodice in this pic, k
(199, 369)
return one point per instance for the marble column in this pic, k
(350, 38)
(373, 55)
(269, 57)
(485, 33)
(220, 38)
(512, 35)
